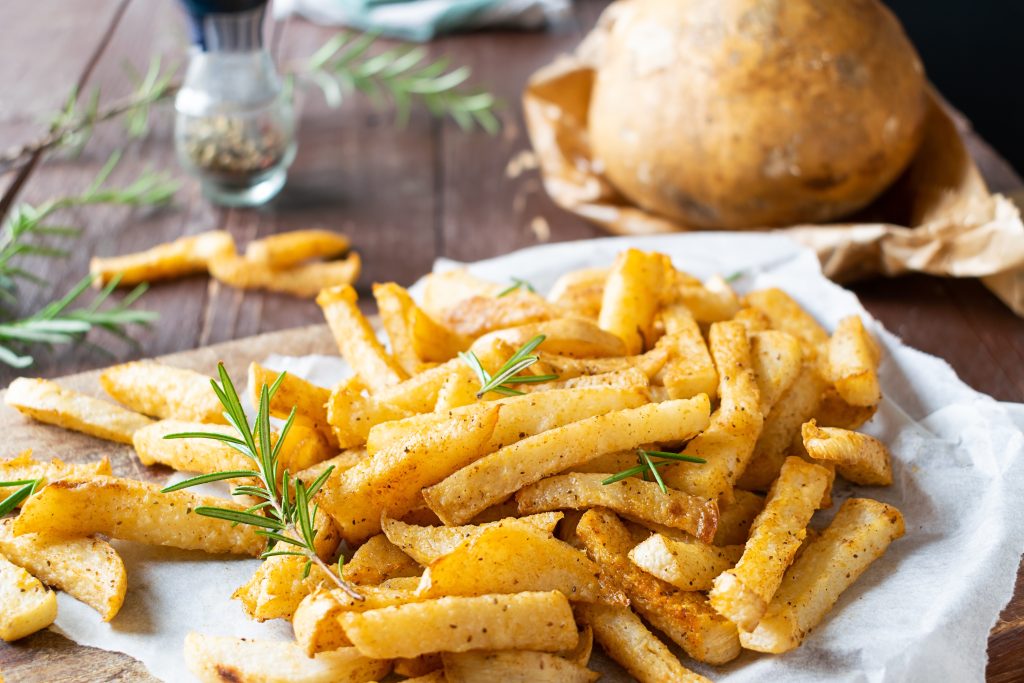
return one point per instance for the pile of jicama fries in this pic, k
(633, 460)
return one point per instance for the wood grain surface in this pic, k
(405, 197)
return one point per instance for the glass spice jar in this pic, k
(235, 125)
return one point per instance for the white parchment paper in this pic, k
(921, 613)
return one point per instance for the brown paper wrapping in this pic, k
(938, 218)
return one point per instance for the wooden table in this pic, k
(405, 197)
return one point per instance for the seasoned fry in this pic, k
(853, 362)
(834, 411)
(858, 535)
(576, 337)
(684, 616)
(859, 458)
(87, 569)
(443, 291)
(509, 559)
(188, 455)
(517, 666)
(133, 511)
(712, 301)
(415, 338)
(728, 442)
(690, 565)
(23, 467)
(521, 621)
(736, 517)
(163, 391)
(689, 370)
(315, 623)
(352, 414)
(632, 296)
(304, 280)
(49, 402)
(493, 478)
(567, 367)
(797, 405)
(391, 479)
(28, 605)
(341, 462)
(742, 594)
(776, 359)
(632, 498)
(308, 399)
(428, 544)
(216, 659)
(288, 249)
(788, 316)
(458, 390)
(356, 340)
(378, 560)
(580, 291)
(626, 640)
(183, 256)
(478, 315)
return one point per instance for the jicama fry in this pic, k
(304, 280)
(308, 399)
(48, 402)
(28, 605)
(24, 468)
(163, 391)
(183, 256)
(689, 565)
(356, 339)
(478, 315)
(857, 457)
(689, 370)
(853, 362)
(288, 249)
(428, 544)
(378, 560)
(632, 296)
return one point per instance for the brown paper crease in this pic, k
(939, 218)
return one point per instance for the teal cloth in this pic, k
(422, 20)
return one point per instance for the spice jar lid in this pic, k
(226, 25)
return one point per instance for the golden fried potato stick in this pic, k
(305, 280)
(689, 370)
(163, 391)
(352, 414)
(626, 640)
(458, 390)
(576, 337)
(853, 363)
(184, 256)
(188, 455)
(632, 498)
(513, 558)
(215, 659)
(684, 616)
(88, 569)
(742, 594)
(478, 315)
(580, 291)
(28, 606)
(356, 339)
(288, 249)
(133, 511)
(858, 535)
(491, 479)
(776, 359)
(443, 291)
(728, 442)
(23, 467)
(710, 302)
(428, 544)
(857, 457)
(797, 405)
(736, 517)
(567, 367)
(632, 296)
(514, 666)
(788, 316)
(49, 402)
(308, 399)
(378, 560)
(416, 339)
(520, 621)
(686, 564)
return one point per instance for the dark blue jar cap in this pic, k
(202, 15)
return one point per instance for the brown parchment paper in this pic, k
(938, 218)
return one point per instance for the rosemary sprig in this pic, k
(344, 65)
(649, 467)
(283, 516)
(56, 324)
(517, 283)
(509, 372)
(27, 488)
